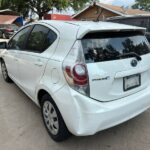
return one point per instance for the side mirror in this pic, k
(3, 45)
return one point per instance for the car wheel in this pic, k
(53, 120)
(5, 72)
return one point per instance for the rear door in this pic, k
(34, 57)
(118, 64)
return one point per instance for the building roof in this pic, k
(7, 19)
(123, 10)
(115, 9)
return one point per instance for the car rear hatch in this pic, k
(118, 63)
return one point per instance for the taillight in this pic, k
(80, 75)
(75, 70)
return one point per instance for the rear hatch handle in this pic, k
(131, 54)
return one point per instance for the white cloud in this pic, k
(124, 2)
(107, 1)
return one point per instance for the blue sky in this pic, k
(124, 3)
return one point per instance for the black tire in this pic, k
(5, 72)
(62, 132)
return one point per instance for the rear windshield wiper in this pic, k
(131, 54)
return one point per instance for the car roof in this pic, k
(84, 27)
(99, 24)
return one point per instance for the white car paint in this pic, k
(107, 105)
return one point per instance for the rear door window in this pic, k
(40, 39)
(50, 38)
(112, 46)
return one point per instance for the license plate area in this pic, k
(131, 82)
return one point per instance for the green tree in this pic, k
(15, 5)
(78, 5)
(142, 5)
(41, 6)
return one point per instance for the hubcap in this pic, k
(4, 71)
(50, 117)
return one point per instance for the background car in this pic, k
(7, 30)
(138, 20)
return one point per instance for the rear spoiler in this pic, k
(83, 31)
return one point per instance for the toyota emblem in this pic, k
(134, 63)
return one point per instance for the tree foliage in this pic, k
(15, 5)
(142, 5)
(40, 6)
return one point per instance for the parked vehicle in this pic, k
(85, 76)
(136, 20)
(7, 30)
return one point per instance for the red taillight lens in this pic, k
(80, 76)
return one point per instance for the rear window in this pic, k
(98, 47)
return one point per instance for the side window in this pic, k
(40, 39)
(18, 41)
(50, 38)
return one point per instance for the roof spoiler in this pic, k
(82, 32)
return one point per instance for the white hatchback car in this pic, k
(85, 76)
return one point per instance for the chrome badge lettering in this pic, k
(101, 79)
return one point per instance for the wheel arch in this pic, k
(1, 59)
(40, 94)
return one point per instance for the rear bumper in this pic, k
(85, 116)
